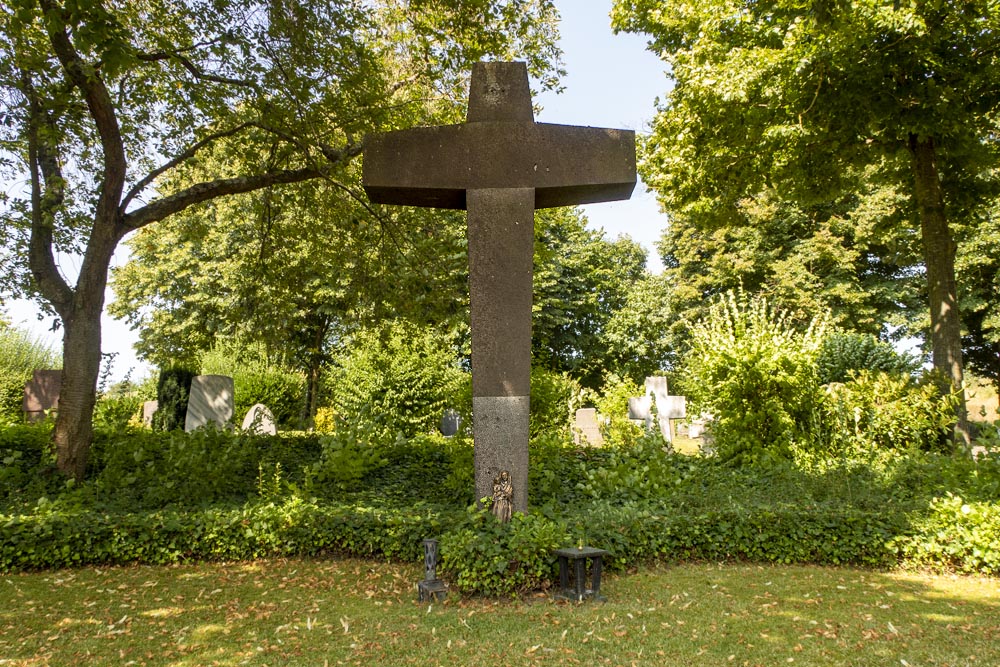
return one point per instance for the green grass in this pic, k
(354, 612)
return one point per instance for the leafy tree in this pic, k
(807, 97)
(978, 267)
(580, 281)
(830, 256)
(103, 103)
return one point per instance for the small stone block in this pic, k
(431, 590)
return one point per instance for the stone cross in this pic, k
(499, 166)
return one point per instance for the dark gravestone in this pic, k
(41, 393)
(500, 166)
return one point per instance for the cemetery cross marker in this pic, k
(500, 165)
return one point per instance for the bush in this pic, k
(172, 391)
(555, 397)
(843, 353)
(878, 411)
(756, 373)
(613, 406)
(20, 356)
(402, 377)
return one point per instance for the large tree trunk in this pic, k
(73, 432)
(939, 262)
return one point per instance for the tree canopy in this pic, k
(812, 100)
(103, 102)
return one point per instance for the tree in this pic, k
(580, 281)
(102, 102)
(261, 267)
(831, 257)
(802, 96)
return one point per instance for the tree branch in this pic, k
(47, 196)
(201, 192)
(193, 68)
(176, 161)
(101, 108)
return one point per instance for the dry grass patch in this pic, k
(353, 612)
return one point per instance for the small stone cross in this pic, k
(500, 165)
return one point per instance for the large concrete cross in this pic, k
(500, 165)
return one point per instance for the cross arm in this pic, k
(435, 166)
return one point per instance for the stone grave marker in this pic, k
(41, 393)
(259, 420)
(667, 407)
(451, 421)
(499, 166)
(148, 409)
(586, 429)
(210, 400)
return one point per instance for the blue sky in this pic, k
(611, 81)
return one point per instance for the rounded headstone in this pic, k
(259, 420)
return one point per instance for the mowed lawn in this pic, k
(354, 612)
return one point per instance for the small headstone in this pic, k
(586, 429)
(667, 407)
(41, 393)
(259, 420)
(451, 420)
(210, 401)
(148, 408)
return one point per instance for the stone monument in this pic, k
(259, 420)
(500, 166)
(210, 401)
(41, 394)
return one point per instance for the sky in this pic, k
(611, 81)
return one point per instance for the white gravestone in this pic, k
(148, 409)
(667, 407)
(259, 420)
(210, 401)
(586, 429)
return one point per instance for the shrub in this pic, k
(20, 355)
(878, 411)
(843, 353)
(613, 406)
(555, 397)
(751, 368)
(257, 379)
(172, 391)
(403, 377)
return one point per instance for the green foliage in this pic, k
(843, 352)
(491, 558)
(555, 396)
(348, 455)
(20, 356)
(875, 411)
(172, 390)
(402, 378)
(612, 405)
(157, 497)
(955, 534)
(756, 373)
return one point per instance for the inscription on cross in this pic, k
(500, 165)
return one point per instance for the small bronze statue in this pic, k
(503, 497)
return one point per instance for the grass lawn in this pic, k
(354, 612)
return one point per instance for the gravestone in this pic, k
(148, 409)
(668, 407)
(41, 393)
(451, 420)
(500, 166)
(210, 401)
(586, 428)
(259, 420)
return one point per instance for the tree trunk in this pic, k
(939, 262)
(73, 432)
